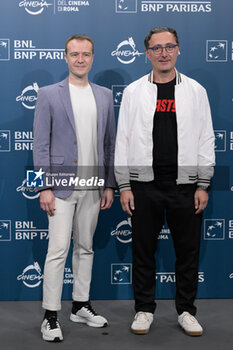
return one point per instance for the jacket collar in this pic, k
(178, 77)
(65, 98)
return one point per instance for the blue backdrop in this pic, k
(32, 36)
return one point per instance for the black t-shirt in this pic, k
(165, 133)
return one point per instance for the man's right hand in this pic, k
(47, 201)
(127, 201)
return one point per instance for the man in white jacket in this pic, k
(164, 162)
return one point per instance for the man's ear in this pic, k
(147, 54)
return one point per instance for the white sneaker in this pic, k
(190, 324)
(142, 322)
(88, 316)
(51, 330)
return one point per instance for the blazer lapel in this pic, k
(99, 107)
(65, 98)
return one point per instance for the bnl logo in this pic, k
(214, 229)
(216, 50)
(4, 49)
(121, 273)
(5, 141)
(5, 230)
(35, 178)
(220, 140)
(126, 6)
(117, 91)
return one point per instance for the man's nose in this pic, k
(164, 51)
(80, 58)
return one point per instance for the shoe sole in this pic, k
(140, 331)
(79, 319)
(54, 340)
(192, 334)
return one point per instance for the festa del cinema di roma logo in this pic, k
(31, 276)
(28, 192)
(123, 231)
(28, 96)
(34, 7)
(126, 51)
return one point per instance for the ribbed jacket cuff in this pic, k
(125, 187)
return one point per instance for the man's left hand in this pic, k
(201, 200)
(107, 199)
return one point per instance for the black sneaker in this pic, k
(51, 330)
(86, 314)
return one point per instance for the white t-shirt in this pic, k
(85, 116)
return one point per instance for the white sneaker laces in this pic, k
(190, 319)
(141, 317)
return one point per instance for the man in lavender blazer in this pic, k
(74, 130)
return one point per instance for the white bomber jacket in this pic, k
(134, 142)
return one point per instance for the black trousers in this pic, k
(154, 201)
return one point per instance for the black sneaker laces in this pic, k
(52, 322)
(90, 309)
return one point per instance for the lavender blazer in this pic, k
(55, 140)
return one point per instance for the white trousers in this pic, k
(78, 214)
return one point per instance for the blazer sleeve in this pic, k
(41, 130)
(109, 145)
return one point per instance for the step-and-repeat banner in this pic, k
(32, 36)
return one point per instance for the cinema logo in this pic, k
(28, 96)
(126, 51)
(123, 231)
(31, 276)
(28, 192)
(34, 7)
(26, 50)
(23, 140)
(27, 231)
